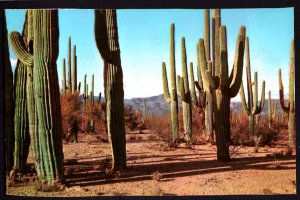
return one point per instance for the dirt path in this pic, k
(154, 169)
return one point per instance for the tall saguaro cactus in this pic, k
(106, 34)
(47, 137)
(69, 66)
(226, 87)
(290, 108)
(74, 71)
(64, 85)
(252, 108)
(171, 97)
(185, 95)
(9, 104)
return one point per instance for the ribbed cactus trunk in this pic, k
(47, 141)
(171, 96)
(185, 95)
(9, 104)
(225, 86)
(92, 90)
(208, 90)
(22, 137)
(106, 34)
(290, 108)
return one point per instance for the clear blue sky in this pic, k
(144, 37)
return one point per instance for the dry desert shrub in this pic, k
(70, 112)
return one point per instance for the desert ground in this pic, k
(155, 169)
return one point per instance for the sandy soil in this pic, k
(155, 169)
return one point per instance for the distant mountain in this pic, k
(156, 105)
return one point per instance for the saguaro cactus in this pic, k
(252, 108)
(185, 96)
(171, 97)
(290, 108)
(46, 92)
(69, 66)
(92, 91)
(84, 95)
(74, 71)
(64, 86)
(225, 87)
(106, 34)
(22, 138)
(272, 111)
(9, 104)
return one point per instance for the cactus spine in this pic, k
(226, 87)
(171, 97)
(47, 137)
(272, 111)
(290, 108)
(106, 34)
(252, 108)
(9, 104)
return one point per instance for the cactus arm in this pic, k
(18, 45)
(236, 75)
(223, 59)
(165, 83)
(243, 100)
(292, 79)
(281, 94)
(206, 74)
(184, 67)
(216, 23)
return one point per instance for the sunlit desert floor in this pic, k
(154, 169)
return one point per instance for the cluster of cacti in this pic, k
(252, 109)
(9, 106)
(39, 51)
(89, 97)
(272, 111)
(290, 108)
(171, 97)
(70, 85)
(106, 35)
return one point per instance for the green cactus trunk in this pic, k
(251, 124)
(84, 90)
(171, 96)
(9, 105)
(47, 142)
(216, 21)
(22, 138)
(185, 96)
(92, 90)
(290, 108)
(106, 34)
